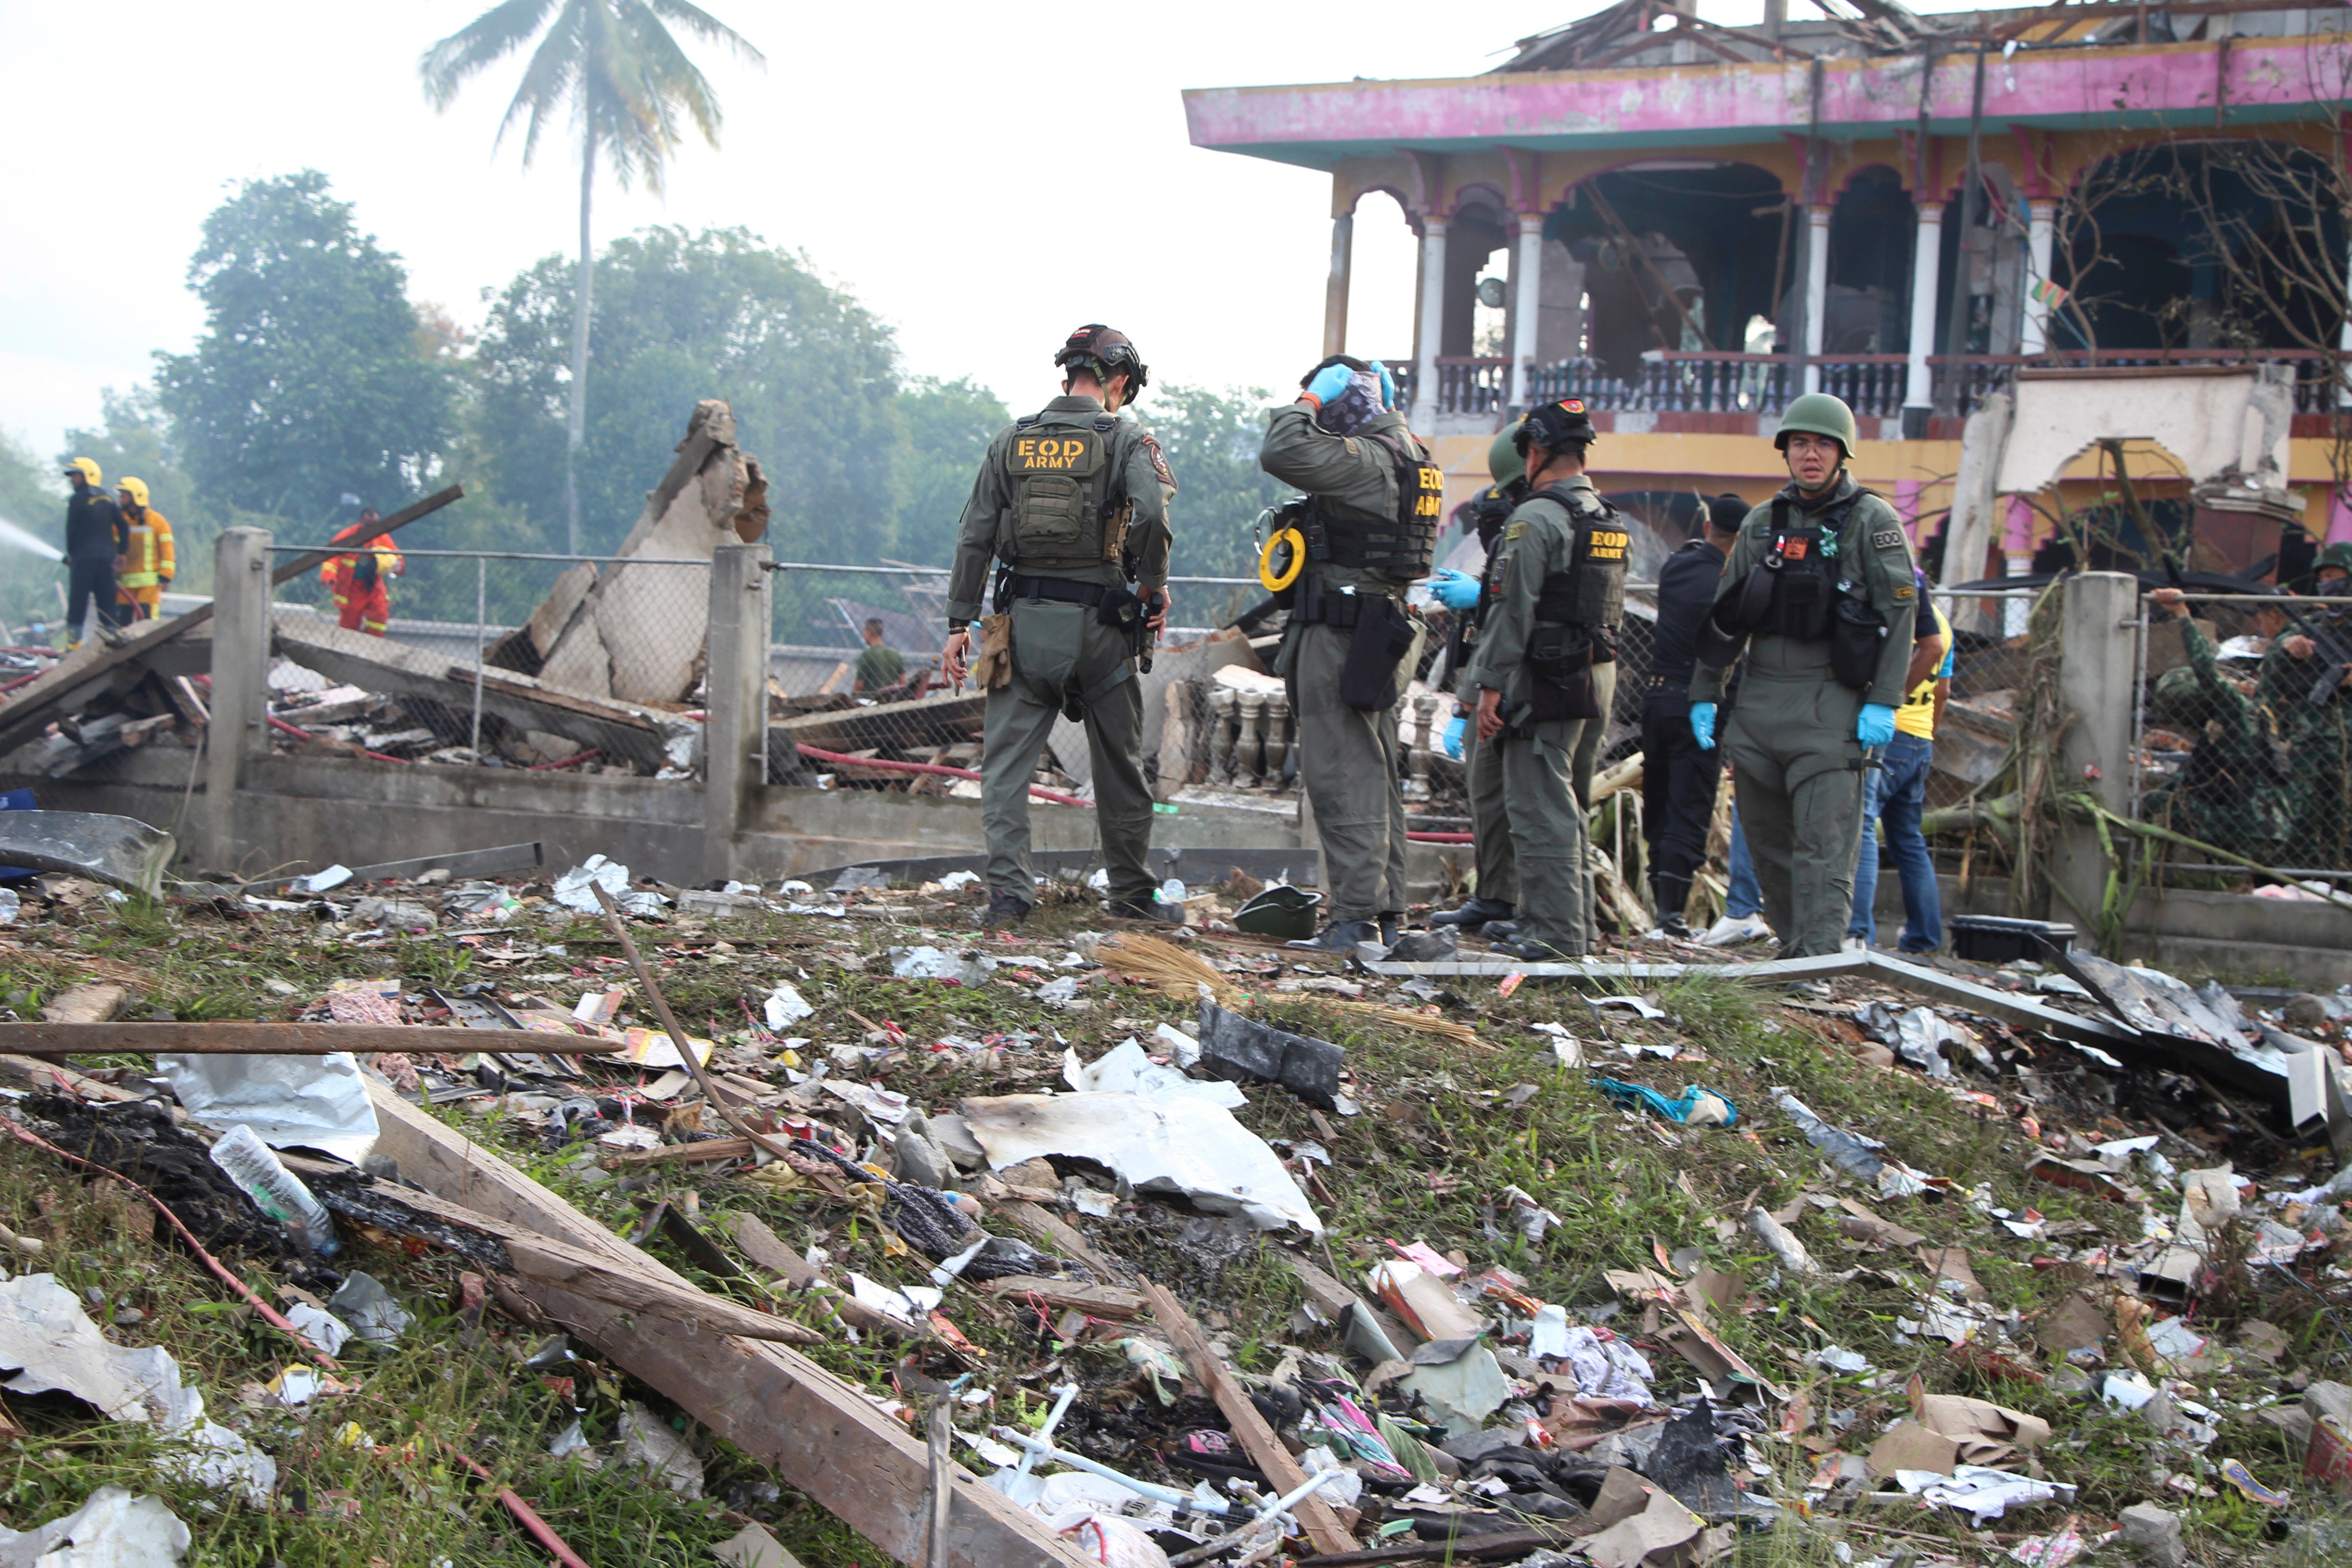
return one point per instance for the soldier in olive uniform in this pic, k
(1819, 592)
(1496, 896)
(2233, 789)
(1072, 503)
(1370, 522)
(1559, 594)
(2306, 689)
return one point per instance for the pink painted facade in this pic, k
(2259, 79)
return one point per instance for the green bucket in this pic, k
(1281, 910)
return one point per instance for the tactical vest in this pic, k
(1591, 592)
(1794, 591)
(1062, 515)
(1402, 549)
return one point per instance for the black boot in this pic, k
(1003, 910)
(1474, 912)
(1390, 924)
(1155, 909)
(1668, 895)
(1543, 953)
(1502, 933)
(1341, 936)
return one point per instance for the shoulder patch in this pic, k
(1887, 539)
(1159, 462)
(1350, 445)
(1515, 530)
(1903, 593)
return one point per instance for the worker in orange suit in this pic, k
(148, 561)
(361, 583)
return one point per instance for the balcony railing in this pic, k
(1872, 384)
(2316, 383)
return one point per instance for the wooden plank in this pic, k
(818, 1433)
(230, 1039)
(766, 1249)
(1095, 1301)
(1264, 1449)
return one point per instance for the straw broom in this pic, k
(1170, 969)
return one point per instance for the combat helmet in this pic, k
(1503, 459)
(1107, 352)
(1819, 414)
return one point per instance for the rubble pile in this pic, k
(1202, 1250)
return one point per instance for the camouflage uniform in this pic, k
(2231, 790)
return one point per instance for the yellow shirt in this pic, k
(1918, 717)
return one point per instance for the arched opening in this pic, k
(1384, 258)
(1870, 232)
(2205, 245)
(1673, 255)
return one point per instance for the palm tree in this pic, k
(627, 83)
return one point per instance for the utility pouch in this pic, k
(994, 668)
(1367, 680)
(1120, 610)
(1559, 674)
(1750, 609)
(1857, 633)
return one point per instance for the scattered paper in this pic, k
(1181, 1145)
(112, 1529)
(306, 1102)
(1125, 1069)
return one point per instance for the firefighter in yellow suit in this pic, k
(148, 561)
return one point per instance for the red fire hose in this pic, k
(1439, 838)
(838, 759)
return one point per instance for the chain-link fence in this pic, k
(2243, 738)
(632, 629)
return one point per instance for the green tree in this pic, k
(627, 82)
(811, 374)
(944, 428)
(309, 383)
(1211, 440)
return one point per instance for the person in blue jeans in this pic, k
(1895, 795)
(1743, 905)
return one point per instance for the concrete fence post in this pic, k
(736, 699)
(2098, 623)
(240, 695)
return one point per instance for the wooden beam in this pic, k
(227, 1039)
(819, 1433)
(1095, 1301)
(1264, 1449)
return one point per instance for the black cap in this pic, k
(1725, 512)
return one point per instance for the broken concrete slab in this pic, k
(622, 730)
(636, 630)
(120, 851)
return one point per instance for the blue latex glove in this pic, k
(1329, 383)
(1388, 385)
(1877, 725)
(1703, 725)
(1453, 590)
(1452, 740)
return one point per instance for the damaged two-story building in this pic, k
(1688, 223)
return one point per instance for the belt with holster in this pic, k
(1319, 605)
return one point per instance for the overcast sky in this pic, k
(983, 178)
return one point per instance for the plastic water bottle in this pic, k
(274, 1190)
